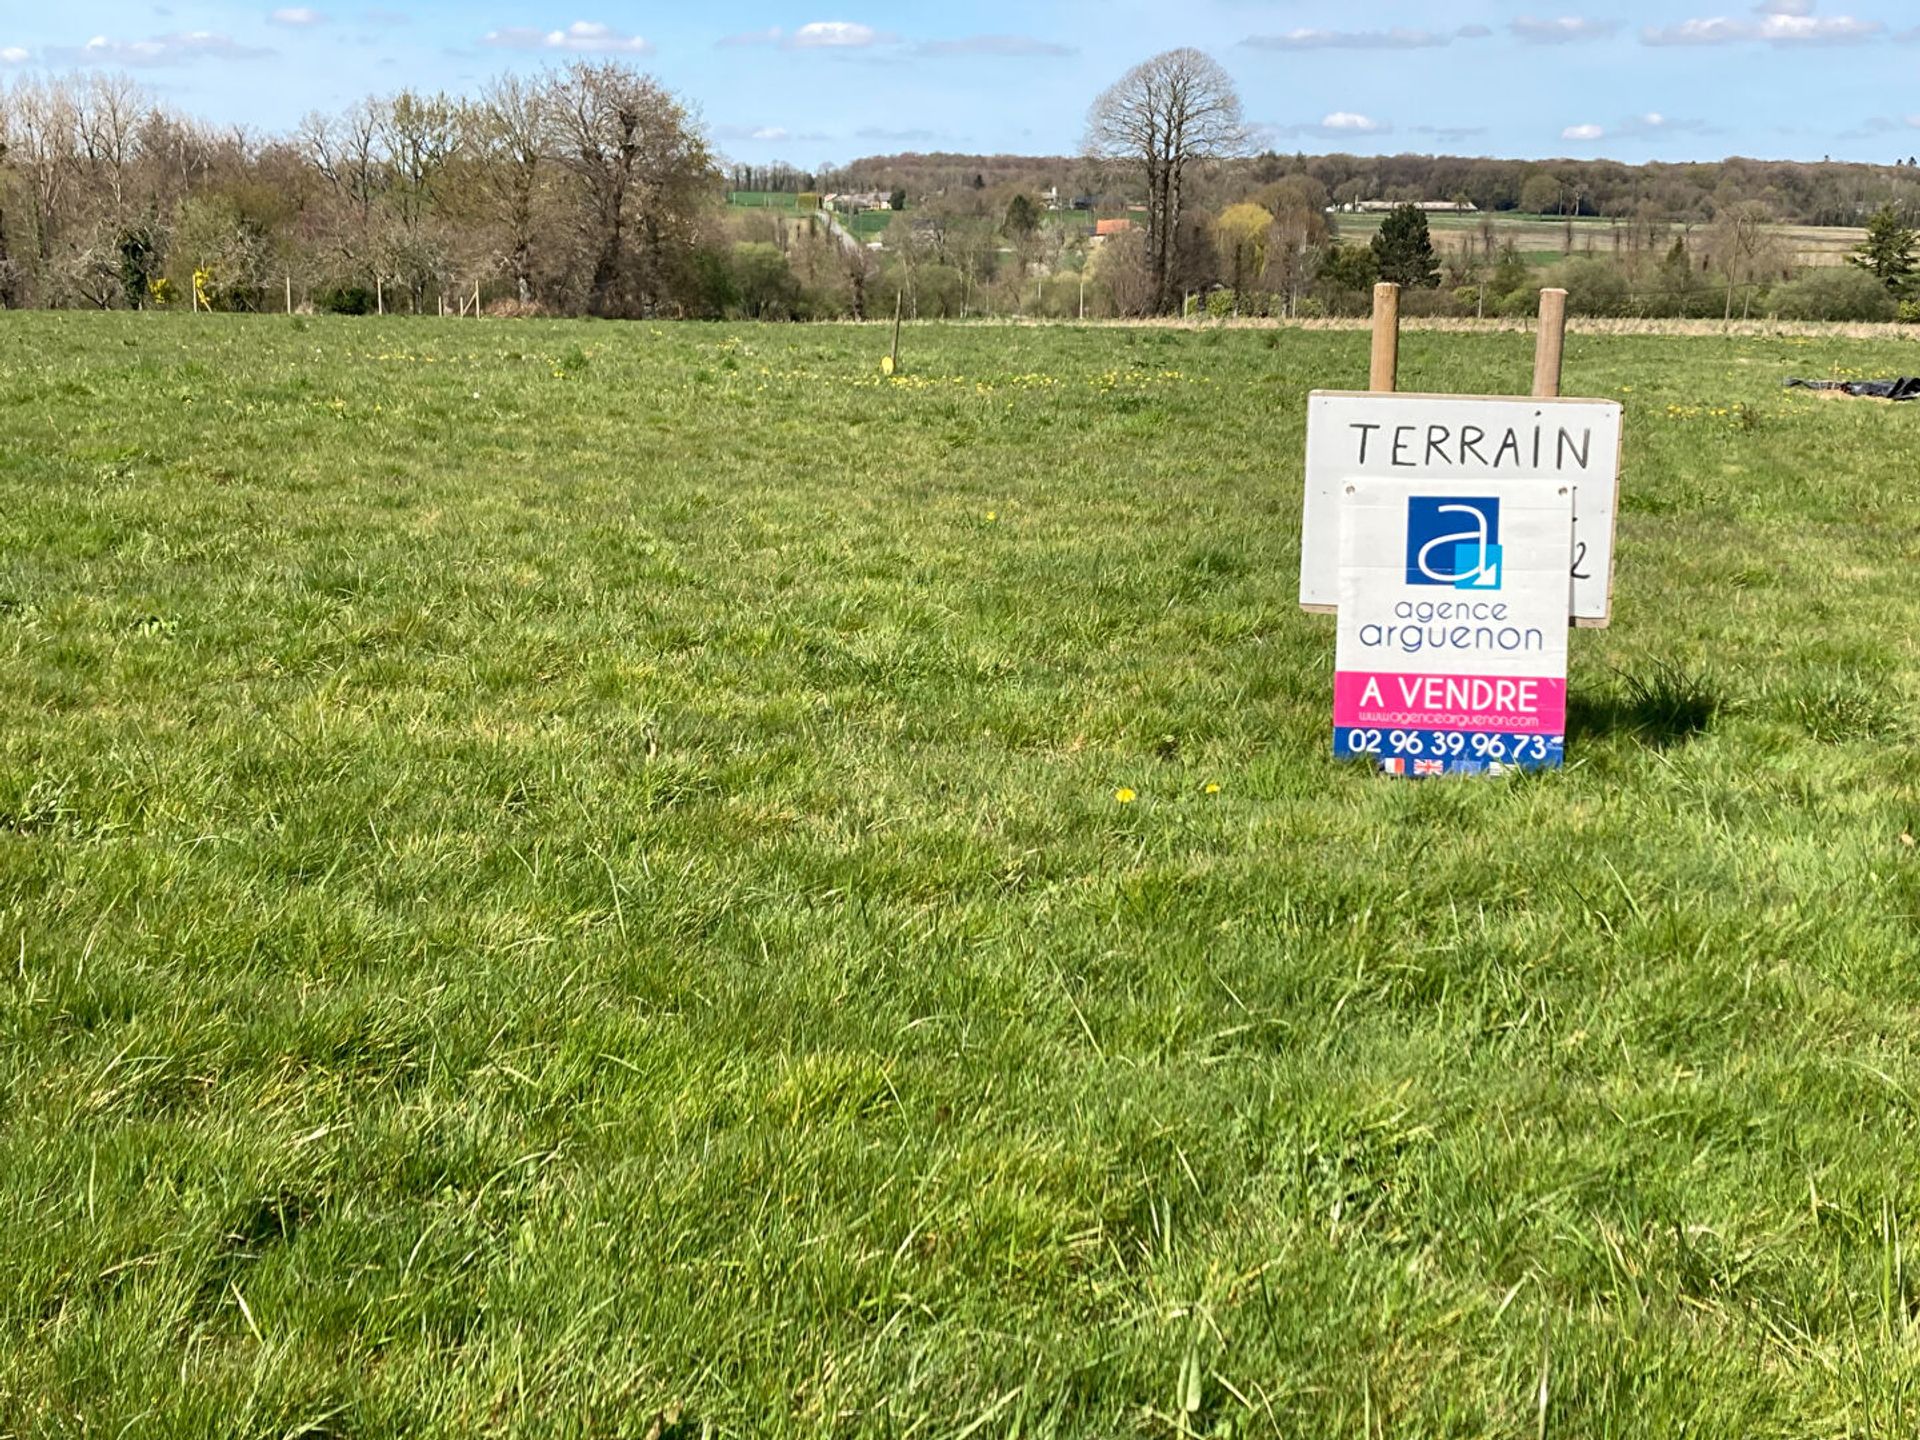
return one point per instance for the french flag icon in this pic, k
(1393, 766)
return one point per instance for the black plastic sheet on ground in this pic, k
(1905, 388)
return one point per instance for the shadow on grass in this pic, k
(1660, 705)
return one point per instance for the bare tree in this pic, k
(418, 137)
(1739, 239)
(641, 166)
(347, 154)
(508, 131)
(1166, 115)
(44, 154)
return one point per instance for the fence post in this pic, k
(1550, 347)
(899, 300)
(1385, 375)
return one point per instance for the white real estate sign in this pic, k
(1473, 440)
(1453, 627)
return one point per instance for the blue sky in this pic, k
(813, 82)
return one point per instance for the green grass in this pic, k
(1543, 239)
(554, 876)
(763, 200)
(866, 224)
(869, 224)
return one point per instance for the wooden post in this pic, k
(1551, 345)
(289, 294)
(379, 295)
(1386, 339)
(899, 299)
(476, 299)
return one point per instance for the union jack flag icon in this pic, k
(1394, 766)
(1429, 767)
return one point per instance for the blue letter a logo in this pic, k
(1453, 542)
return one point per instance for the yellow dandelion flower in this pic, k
(992, 515)
(1124, 796)
(1213, 787)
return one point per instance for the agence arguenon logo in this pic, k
(1454, 542)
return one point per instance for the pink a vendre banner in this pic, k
(1453, 625)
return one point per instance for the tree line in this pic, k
(593, 190)
(587, 190)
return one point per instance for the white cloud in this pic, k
(180, 48)
(767, 134)
(834, 35)
(582, 37)
(816, 35)
(1339, 125)
(14, 55)
(1786, 28)
(297, 17)
(1563, 30)
(1650, 125)
(1400, 37)
(1781, 22)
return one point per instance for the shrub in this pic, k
(1909, 312)
(1593, 286)
(1220, 304)
(1841, 292)
(1426, 304)
(344, 300)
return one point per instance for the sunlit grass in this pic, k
(559, 877)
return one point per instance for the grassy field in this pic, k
(1546, 239)
(568, 879)
(866, 224)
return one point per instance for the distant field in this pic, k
(572, 879)
(762, 200)
(867, 224)
(1544, 239)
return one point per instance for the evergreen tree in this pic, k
(1023, 218)
(1888, 250)
(1404, 249)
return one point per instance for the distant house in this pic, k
(854, 202)
(1104, 228)
(1432, 207)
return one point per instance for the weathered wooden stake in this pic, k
(1551, 345)
(289, 294)
(899, 300)
(379, 296)
(1385, 377)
